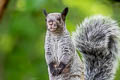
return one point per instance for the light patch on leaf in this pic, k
(90, 7)
(20, 5)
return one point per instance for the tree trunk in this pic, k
(3, 4)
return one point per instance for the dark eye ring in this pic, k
(58, 19)
(45, 19)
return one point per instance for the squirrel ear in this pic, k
(45, 13)
(64, 13)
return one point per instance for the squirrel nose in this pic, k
(51, 22)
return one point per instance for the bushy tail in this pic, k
(97, 38)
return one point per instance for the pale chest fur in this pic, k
(58, 46)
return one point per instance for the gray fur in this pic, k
(98, 38)
(59, 48)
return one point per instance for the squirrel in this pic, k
(98, 40)
(60, 53)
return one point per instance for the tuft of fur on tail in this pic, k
(98, 39)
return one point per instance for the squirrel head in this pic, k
(55, 21)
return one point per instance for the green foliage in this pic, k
(22, 33)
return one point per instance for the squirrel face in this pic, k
(55, 21)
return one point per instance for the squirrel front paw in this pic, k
(56, 69)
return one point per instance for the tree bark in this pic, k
(3, 4)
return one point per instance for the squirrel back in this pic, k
(97, 38)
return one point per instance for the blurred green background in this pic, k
(22, 33)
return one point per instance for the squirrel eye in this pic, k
(45, 19)
(58, 19)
